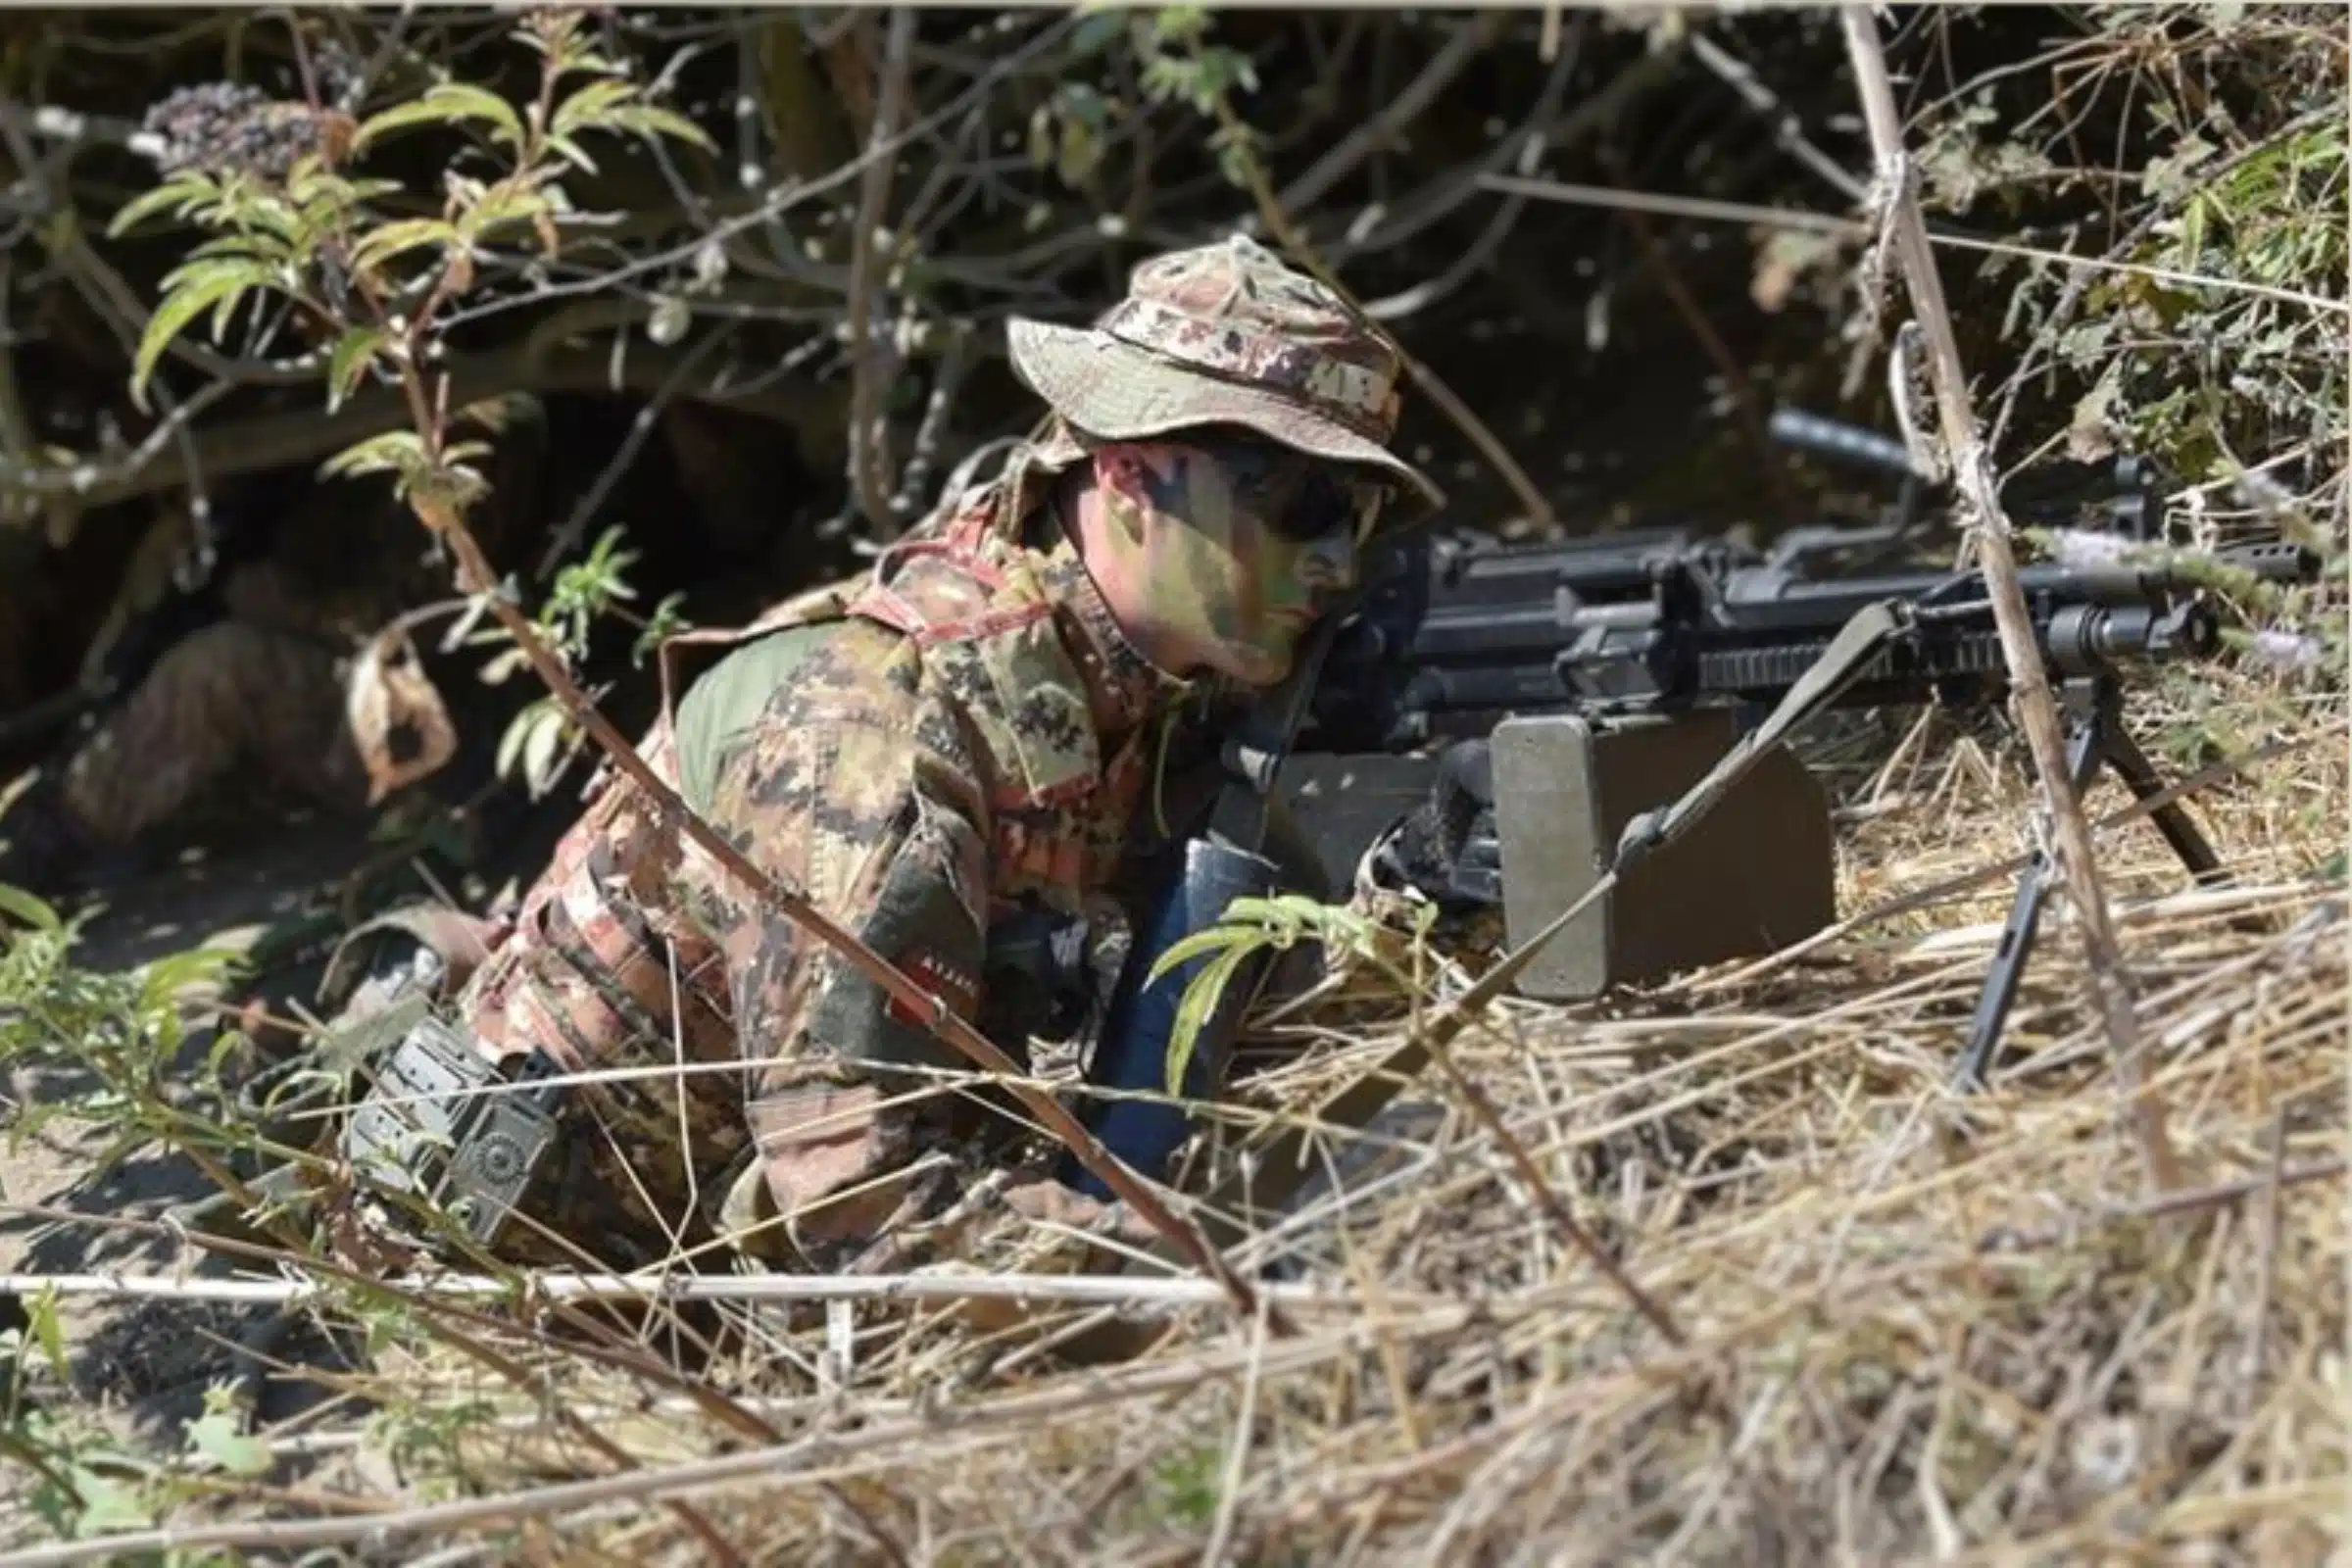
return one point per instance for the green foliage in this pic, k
(1277, 925)
(381, 283)
(541, 742)
(2172, 356)
(219, 1437)
(1181, 65)
(320, 243)
(1187, 1484)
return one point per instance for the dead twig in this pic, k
(870, 367)
(2037, 708)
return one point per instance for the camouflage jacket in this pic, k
(962, 735)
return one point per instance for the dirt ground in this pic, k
(239, 884)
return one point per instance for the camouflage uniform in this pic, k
(928, 755)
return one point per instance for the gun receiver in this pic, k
(1457, 637)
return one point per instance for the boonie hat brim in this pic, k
(1117, 391)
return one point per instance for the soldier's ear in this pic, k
(1120, 470)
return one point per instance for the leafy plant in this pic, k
(541, 742)
(329, 251)
(1277, 925)
(1181, 65)
(378, 284)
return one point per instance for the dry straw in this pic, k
(1918, 1322)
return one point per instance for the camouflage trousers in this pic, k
(234, 702)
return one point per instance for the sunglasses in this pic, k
(1300, 497)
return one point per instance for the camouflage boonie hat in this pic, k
(1226, 334)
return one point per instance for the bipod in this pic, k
(2093, 706)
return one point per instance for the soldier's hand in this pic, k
(1445, 849)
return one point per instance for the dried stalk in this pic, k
(869, 465)
(2037, 708)
(1126, 1291)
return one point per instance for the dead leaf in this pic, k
(1781, 261)
(2090, 434)
(397, 719)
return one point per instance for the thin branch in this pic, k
(575, 526)
(2028, 678)
(1802, 221)
(1469, 41)
(1531, 145)
(1129, 1293)
(870, 369)
(1786, 130)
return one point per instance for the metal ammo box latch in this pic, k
(443, 1124)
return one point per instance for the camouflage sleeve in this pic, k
(853, 788)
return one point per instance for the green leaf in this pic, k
(22, 905)
(352, 353)
(503, 203)
(573, 153)
(1192, 1012)
(652, 120)
(394, 452)
(202, 284)
(1081, 153)
(395, 239)
(160, 982)
(215, 1436)
(1199, 943)
(540, 751)
(107, 1507)
(186, 192)
(586, 109)
(446, 103)
(1094, 35)
(1180, 24)
(248, 246)
(48, 1331)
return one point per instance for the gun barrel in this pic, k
(1839, 442)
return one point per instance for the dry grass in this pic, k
(1918, 1324)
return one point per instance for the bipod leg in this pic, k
(2120, 752)
(2082, 757)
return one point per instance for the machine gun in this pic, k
(1592, 686)
(1511, 709)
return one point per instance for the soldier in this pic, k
(932, 754)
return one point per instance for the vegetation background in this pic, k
(733, 286)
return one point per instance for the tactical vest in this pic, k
(591, 964)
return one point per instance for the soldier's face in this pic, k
(1224, 549)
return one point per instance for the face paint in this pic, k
(1229, 548)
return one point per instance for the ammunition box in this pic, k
(1754, 874)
